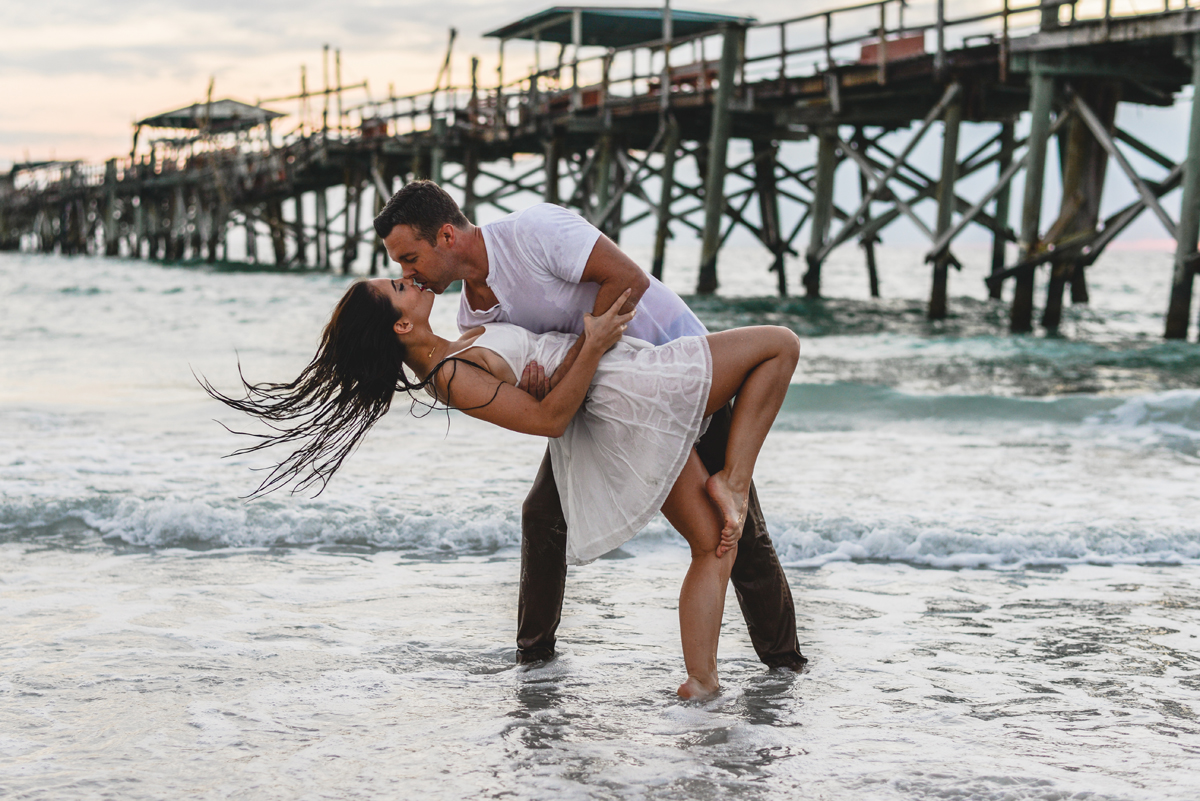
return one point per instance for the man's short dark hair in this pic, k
(425, 207)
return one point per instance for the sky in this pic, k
(74, 75)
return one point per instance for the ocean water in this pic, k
(992, 541)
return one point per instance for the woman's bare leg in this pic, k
(755, 364)
(702, 597)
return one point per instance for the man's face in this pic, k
(429, 267)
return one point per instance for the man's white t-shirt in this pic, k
(535, 262)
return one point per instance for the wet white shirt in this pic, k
(535, 262)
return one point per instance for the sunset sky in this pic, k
(75, 74)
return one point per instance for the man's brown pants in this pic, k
(762, 589)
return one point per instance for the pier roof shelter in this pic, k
(592, 26)
(218, 116)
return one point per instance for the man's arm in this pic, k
(614, 272)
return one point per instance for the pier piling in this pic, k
(821, 209)
(946, 205)
(718, 149)
(1040, 104)
(1001, 211)
(1186, 261)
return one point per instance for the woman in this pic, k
(626, 454)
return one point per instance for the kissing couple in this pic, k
(563, 336)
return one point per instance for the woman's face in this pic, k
(410, 301)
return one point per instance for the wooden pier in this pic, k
(634, 116)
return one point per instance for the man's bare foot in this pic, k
(695, 690)
(733, 505)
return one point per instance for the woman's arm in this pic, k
(482, 395)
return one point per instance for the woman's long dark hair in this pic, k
(336, 399)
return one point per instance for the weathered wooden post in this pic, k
(470, 173)
(768, 206)
(822, 209)
(80, 229)
(1040, 102)
(65, 228)
(274, 208)
(179, 222)
(616, 217)
(202, 226)
(166, 221)
(45, 229)
(666, 195)
(199, 227)
(142, 239)
(999, 241)
(251, 239)
(350, 238)
(153, 206)
(378, 253)
(718, 150)
(1188, 230)
(470, 151)
(552, 148)
(1084, 162)
(139, 224)
(381, 191)
(112, 242)
(216, 215)
(437, 151)
(868, 241)
(163, 224)
(10, 234)
(419, 167)
(298, 232)
(603, 171)
(322, 233)
(951, 123)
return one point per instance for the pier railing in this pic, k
(874, 33)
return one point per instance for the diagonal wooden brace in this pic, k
(869, 171)
(933, 116)
(944, 241)
(1097, 128)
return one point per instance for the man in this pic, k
(542, 268)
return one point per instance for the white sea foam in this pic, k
(945, 542)
(1165, 419)
(108, 435)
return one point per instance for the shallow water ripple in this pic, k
(298, 674)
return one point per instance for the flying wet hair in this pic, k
(338, 396)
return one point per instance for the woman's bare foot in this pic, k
(733, 505)
(695, 690)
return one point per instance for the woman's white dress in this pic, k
(623, 450)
